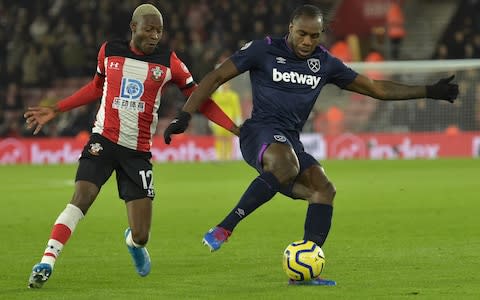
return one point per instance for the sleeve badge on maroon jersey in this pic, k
(156, 73)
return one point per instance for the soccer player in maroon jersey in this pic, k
(130, 78)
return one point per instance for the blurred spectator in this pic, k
(466, 111)
(46, 66)
(457, 46)
(374, 56)
(353, 43)
(276, 22)
(196, 51)
(229, 102)
(38, 28)
(469, 51)
(258, 30)
(441, 52)
(395, 28)
(16, 49)
(31, 67)
(43, 42)
(329, 122)
(461, 38)
(3, 49)
(73, 31)
(335, 121)
(476, 45)
(452, 130)
(319, 121)
(11, 107)
(341, 50)
(73, 54)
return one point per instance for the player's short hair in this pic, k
(143, 10)
(306, 10)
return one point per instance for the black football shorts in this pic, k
(100, 157)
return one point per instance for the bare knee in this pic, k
(324, 194)
(331, 191)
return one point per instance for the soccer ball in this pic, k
(303, 260)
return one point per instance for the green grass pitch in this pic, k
(401, 230)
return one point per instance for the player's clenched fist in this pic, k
(178, 125)
(443, 90)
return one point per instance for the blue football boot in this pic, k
(140, 256)
(40, 274)
(315, 281)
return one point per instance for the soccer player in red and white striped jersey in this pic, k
(131, 76)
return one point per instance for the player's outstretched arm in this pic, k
(214, 113)
(38, 116)
(444, 89)
(226, 71)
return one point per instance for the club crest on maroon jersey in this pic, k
(156, 73)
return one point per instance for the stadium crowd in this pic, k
(460, 40)
(45, 42)
(48, 49)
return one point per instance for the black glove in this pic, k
(443, 90)
(178, 125)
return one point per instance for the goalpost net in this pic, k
(338, 111)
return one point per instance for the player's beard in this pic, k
(303, 53)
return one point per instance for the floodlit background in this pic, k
(48, 50)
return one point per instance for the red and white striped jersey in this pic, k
(132, 92)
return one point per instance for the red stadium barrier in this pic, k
(201, 148)
(404, 146)
(67, 150)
